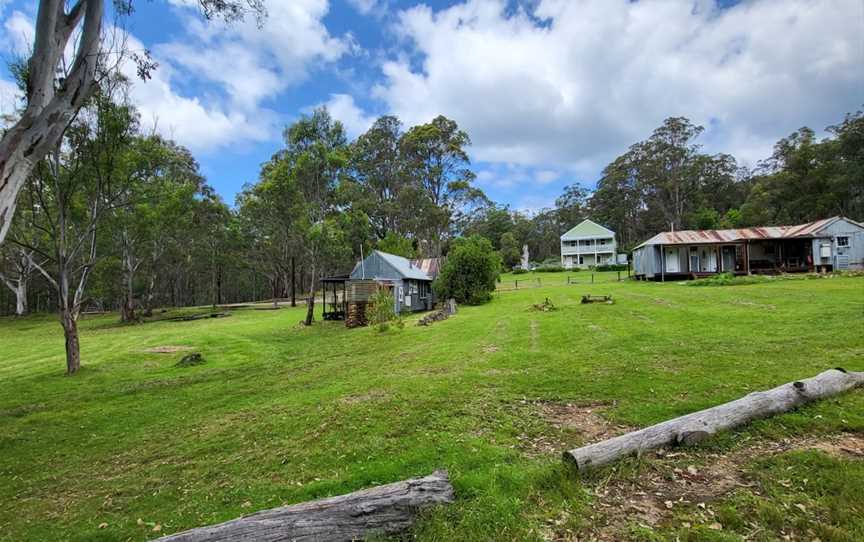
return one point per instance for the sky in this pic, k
(550, 91)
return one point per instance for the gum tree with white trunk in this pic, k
(52, 101)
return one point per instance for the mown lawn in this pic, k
(280, 414)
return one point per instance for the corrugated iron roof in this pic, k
(688, 237)
(430, 266)
(404, 266)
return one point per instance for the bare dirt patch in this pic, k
(690, 477)
(568, 425)
(371, 395)
(489, 349)
(847, 446)
(167, 349)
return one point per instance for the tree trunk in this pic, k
(378, 511)
(21, 297)
(73, 350)
(48, 110)
(310, 302)
(293, 279)
(127, 309)
(698, 426)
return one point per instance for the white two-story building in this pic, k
(588, 244)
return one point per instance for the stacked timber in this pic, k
(355, 315)
(358, 293)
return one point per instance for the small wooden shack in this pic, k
(410, 281)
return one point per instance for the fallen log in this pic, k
(381, 510)
(696, 427)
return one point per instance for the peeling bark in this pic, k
(50, 106)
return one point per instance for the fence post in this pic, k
(592, 277)
(619, 276)
(517, 284)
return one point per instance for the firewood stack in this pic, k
(356, 314)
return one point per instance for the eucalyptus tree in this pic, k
(55, 89)
(17, 267)
(316, 157)
(68, 195)
(163, 180)
(379, 170)
(437, 163)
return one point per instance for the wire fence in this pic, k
(581, 278)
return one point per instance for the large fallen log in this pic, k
(381, 510)
(698, 426)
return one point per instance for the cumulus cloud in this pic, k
(251, 64)
(18, 34)
(196, 124)
(365, 7)
(572, 84)
(353, 118)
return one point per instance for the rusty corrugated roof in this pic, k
(430, 266)
(688, 237)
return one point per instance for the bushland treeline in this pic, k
(117, 218)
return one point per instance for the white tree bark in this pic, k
(698, 426)
(382, 510)
(50, 105)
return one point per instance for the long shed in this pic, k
(834, 243)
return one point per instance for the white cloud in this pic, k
(365, 7)
(10, 98)
(251, 64)
(595, 76)
(343, 109)
(18, 34)
(545, 176)
(199, 125)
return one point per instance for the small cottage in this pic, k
(830, 244)
(410, 281)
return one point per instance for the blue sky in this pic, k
(549, 90)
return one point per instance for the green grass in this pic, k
(279, 414)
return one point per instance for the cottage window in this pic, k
(843, 241)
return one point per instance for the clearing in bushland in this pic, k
(135, 447)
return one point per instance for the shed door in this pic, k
(728, 259)
(672, 260)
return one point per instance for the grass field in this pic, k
(133, 447)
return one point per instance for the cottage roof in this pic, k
(587, 229)
(403, 268)
(686, 237)
(430, 266)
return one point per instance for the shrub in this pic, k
(728, 279)
(612, 267)
(549, 268)
(470, 272)
(382, 309)
(519, 271)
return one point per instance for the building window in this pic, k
(843, 241)
(581, 260)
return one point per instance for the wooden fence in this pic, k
(581, 278)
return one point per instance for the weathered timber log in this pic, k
(382, 510)
(696, 427)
